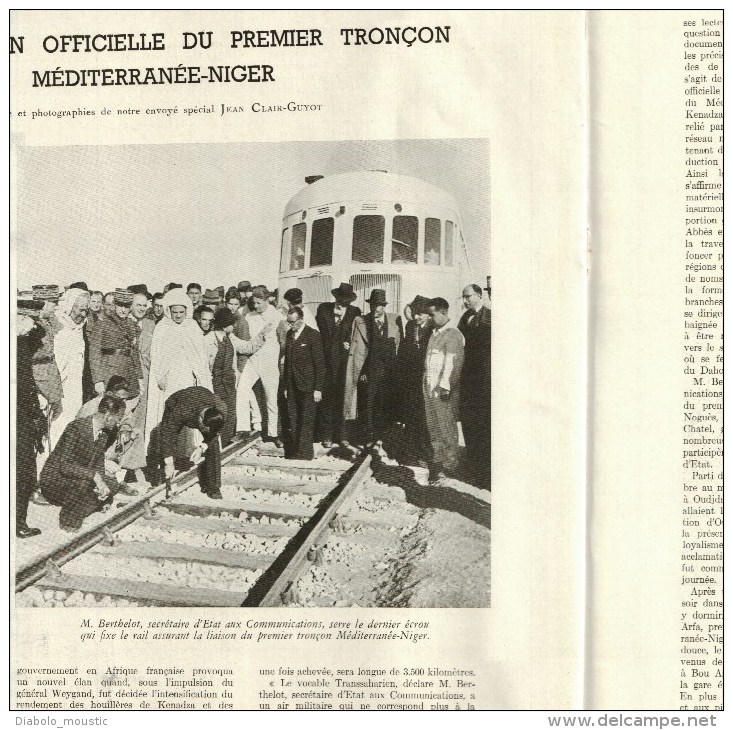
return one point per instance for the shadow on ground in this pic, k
(443, 497)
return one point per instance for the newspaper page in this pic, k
(328, 152)
(656, 504)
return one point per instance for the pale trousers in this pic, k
(443, 429)
(269, 375)
(249, 417)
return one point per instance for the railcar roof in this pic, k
(369, 186)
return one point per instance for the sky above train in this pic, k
(210, 213)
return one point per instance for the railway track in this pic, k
(261, 545)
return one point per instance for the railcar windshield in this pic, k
(297, 246)
(322, 242)
(367, 245)
(404, 239)
(432, 241)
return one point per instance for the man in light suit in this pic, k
(303, 377)
(369, 392)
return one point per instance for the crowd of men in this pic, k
(117, 391)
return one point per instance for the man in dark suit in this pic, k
(303, 376)
(77, 476)
(411, 366)
(370, 372)
(335, 320)
(475, 393)
(196, 408)
(30, 420)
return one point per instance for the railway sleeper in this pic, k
(174, 551)
(253, 509)
(294, 486)
(159, 594)
(218, 525)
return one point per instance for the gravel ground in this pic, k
(404, 543)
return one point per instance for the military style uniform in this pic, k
(113, 350)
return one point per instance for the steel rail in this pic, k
(30, 573)
(277, 582)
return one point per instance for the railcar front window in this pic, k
(404, 239)
(322, 242)
(285, 251)
(449, 243)
(367, 245)
(432, 241)
(297, 246)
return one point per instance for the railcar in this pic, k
(375, 230)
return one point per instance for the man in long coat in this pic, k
(303, 377)
(113, 346)
(475, 402)
(335, 322)
(411, 362)
(369, 393)
(30, 421)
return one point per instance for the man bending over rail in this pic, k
(197, 408)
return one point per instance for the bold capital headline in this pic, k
(204, 40)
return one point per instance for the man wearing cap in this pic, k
(245, 292)
(294, 298)
(142, 289)
(335, 321)
(40, 344)
(411, 358)
(212, 299)
(369, 392)
(30, 421)
(113, 346)
(475, 403)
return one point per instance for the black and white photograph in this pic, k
(254, 374)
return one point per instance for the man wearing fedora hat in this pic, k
(411, 359)
(335, 321)
(369, 392)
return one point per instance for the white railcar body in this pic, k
(375, 230)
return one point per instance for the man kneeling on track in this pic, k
(78, 476)
(196, 408)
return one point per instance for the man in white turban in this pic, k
(71, 314)
(178, 359)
